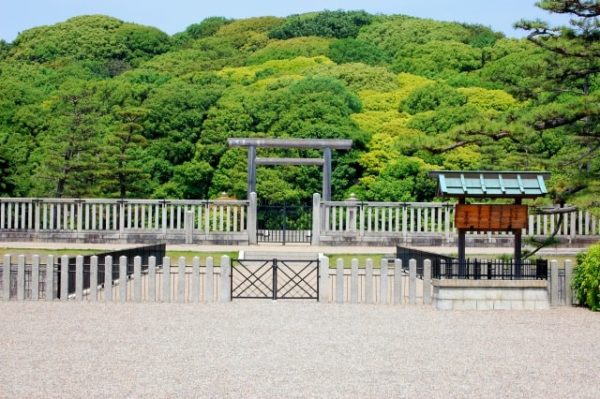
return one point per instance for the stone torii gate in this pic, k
(326, 145)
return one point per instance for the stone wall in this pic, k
(490, 294)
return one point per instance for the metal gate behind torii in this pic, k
(319, 144)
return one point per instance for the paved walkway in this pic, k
(262, 349)
(290, 248)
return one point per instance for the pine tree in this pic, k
(568, 103)
(122, 150)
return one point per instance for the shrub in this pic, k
(586, 278)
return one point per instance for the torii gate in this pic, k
(320, 144)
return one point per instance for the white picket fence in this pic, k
(405, 219)
(41, 214)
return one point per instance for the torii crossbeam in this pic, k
(321, 144)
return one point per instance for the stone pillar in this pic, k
(251, 170)
(225, 279)
(20, 277)
(64, 278)
(354, 281)
(166, 296)
(137, 279)
(369, 281)
(327, 174)
(568, 277)
(554, 299)
(49, 277)
(315, 238)
(6, 277)
(339, 281)
(122, 279)
(93, 279)
(79, 278)
(35, 277)
(189, 227)
(181, 280)
(152, 279)
(195, 279)
(352, 211)
(252, 219)
(412, 282)
(383, 286)
(427, 282)
(398, 281)
(323, 279)
(209, 292)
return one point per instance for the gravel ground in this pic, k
(258, 349)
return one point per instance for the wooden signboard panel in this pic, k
(491, 217)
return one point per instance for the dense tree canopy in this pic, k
(95, 106)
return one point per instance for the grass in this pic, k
(188, 255)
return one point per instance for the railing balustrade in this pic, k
(406, 219)
(123, 216)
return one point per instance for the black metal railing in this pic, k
(406, 254)
(144, 252)
(284, 223)
(491, 269)
(447, 267)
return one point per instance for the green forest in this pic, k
(98, 107)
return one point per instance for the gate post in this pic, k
(225, 279)
(315, 238)
(274, 279)
(252, 219)
(324, 279)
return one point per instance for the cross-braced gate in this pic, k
(275, 279)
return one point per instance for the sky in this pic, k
(174, 16)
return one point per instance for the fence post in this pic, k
(21, 278)
(181, 280)
(195, 279)
(164, 219)
(137, 279)
(79, 278)
(108, 277)
(554, 282)
(339, 281)
(397, 281)
(209, 290)
(354, 282)
(315, 237)
(225, 278)
(93, 278)
(427, 282)
(166, 297)
(35, 277)
(152, 279)
(188, 223)
(36, 211)
(568, 277)
(383, 284)
(121, 217)
(122, 279)
(369, 281)
(252, 209)
(412, 282)
(324, 276)
(64, 278)
(6, 277)
(50, 278)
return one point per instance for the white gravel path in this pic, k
(261, 349)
